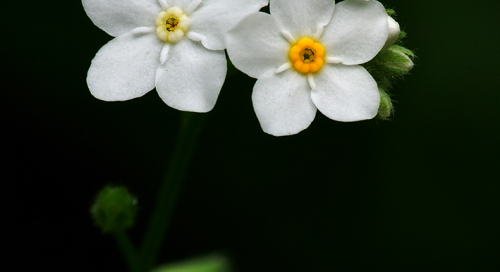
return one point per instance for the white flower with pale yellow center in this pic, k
(306, 57)
(176, 46)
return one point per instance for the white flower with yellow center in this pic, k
(305, 55)
(176, 46)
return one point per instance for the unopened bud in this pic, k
(114, 209)
(385, 108)
(397, 60)
(393, 32)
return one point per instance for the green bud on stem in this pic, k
(385, 108)
(114, 209)
(398, 61)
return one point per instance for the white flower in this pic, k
(305, 55)
(176, 46)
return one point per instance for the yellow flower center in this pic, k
(307, 56)
(172, 25)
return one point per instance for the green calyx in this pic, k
(114, 209)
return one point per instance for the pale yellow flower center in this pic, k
(172, 25)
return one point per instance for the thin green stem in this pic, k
(128, 250)
(191, 126)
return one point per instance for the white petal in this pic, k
(312, 83)
(283, 67)
(182, 4)
(256, 44)
(288, 36)
(192, 6)
(283, 103)
(213, 18)
(346, 93)
(194, 36)
(192, 77)
(143, 30)
(302, 17)
(119, 16)
(357, 32)
(164, 53)
(125, 67)
(163, 4)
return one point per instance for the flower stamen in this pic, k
(171, 24)
(307, 56)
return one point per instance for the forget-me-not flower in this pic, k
(176, 46)
(306, 57)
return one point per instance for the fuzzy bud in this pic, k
(398, 60)
(385, 108)
(114, 209)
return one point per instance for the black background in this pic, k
(418, 193)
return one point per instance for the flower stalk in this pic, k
(115, 208)
(128, 250)
(170, 188)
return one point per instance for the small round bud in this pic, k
(114, 209)
(385, 108)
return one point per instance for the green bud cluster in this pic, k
(389, 64)
(114, 209)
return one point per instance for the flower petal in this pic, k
(300, 17)
(283, 102)
(125, 67)
(213, 18)
(346, 93)
(256, 44)
(119, 16)
(192, 76)
(357, 32)
(182, 4)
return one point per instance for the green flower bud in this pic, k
(385, 108)
(397, 61)
(389, 64)
(114, 209)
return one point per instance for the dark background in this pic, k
(418, 193)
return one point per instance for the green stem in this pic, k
(191, 126)
(128, 250)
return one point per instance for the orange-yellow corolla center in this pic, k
(307, 56)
